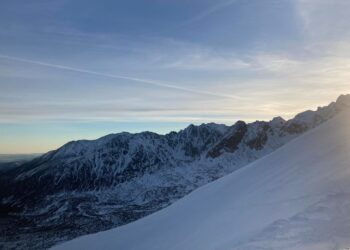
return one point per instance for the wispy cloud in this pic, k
(207, 61)
(237, 61)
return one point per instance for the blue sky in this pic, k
(82, 69)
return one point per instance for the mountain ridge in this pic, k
(297, 197)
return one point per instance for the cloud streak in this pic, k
(121, 77)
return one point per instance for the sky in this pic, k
(81, 69)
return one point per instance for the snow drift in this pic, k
(295, 198)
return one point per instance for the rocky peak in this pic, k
(277, 121)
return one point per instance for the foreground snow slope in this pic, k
(295, 198)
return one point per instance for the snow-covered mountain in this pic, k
(89, 186)
(297, 197)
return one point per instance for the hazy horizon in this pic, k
(74, 70)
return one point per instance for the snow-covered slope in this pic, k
(295, 198)
(89, 186)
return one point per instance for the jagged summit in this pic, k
(121, 177)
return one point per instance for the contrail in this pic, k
(145, 81)
(209, 11)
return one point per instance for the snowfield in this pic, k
(298, 197)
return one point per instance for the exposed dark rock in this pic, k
(231, 142)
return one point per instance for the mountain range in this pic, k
(88, 186)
